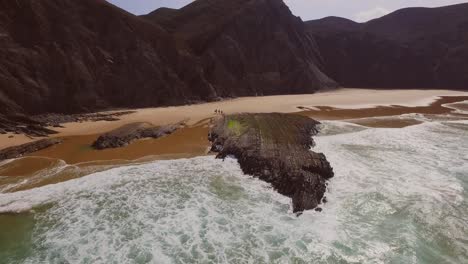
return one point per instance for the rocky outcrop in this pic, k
(126, 134)
(21, 150)
(38, 126)
(67, 56)
(22, 124)
(56, 120)
(410, 48)
(276, 149)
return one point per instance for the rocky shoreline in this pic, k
(21, 150)
(123, 136)
(42, 125)
(276, 148)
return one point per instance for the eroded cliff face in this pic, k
(410, 48)
(69, 56)
(248, 47)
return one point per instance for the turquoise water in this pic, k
(399, 196)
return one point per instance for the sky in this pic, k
(357, 10)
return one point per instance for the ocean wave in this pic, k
(398, 197)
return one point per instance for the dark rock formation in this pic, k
(67, 56)
(56, 120)
(276, 149)
(125, 135)
(248, 47)
(18, 151)
(37, 126)
(410, 48)
(22, 124)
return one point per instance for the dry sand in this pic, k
(343, 98)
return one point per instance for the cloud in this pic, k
(367, 15)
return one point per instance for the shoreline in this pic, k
(319, 103)
(76, 158)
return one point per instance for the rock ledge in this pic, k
(126, 134)
(21, 150)
(276, 148)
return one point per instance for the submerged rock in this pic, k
(21, 150)
(124, 135)
(276, 148)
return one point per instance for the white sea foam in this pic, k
(200, 210)
(459, 107)
(406, 184)
(398, 197)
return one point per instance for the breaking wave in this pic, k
(399, 196)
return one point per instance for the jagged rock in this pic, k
(276, 149)
(21, 150)
(124, 135)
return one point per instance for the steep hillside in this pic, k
(71, 56)
(410, 48)
(248, 47)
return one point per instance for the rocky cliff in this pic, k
(410, 48)
(248, 47)
(67, 56)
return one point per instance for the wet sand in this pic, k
(333, 113)
(367, 116)
(77, 149)
(75, 157)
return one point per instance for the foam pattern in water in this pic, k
(200, 210)
(401, 193)
(399, 196)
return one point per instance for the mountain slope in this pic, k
(69, 56)
(410, 48)
(252, 47)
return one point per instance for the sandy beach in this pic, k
(343, 98)
(318, 105)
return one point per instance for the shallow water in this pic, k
(399, 196)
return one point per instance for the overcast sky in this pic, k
(358, 10)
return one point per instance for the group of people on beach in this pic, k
(219, 112)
